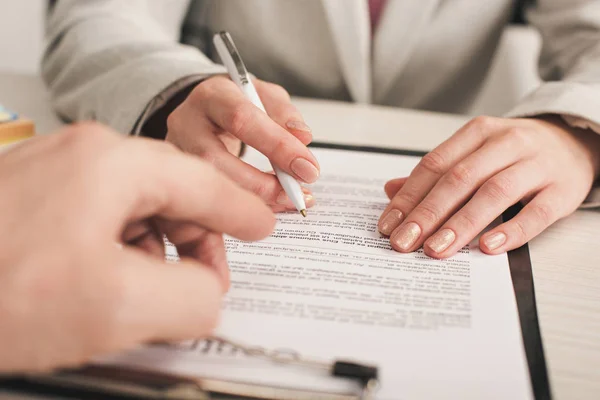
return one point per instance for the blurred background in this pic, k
(513, 73)
(21, 35)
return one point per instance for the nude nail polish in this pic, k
(298, 126)
(283, 199)
(494, 240)
(407, 236)
(390, 222)
(441, 240)
(309, 199)
(305, 170)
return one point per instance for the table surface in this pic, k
(566, 265)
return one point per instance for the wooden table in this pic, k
(565, 258)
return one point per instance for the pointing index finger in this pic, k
(233, 112)
(279, 106)
(182, 188)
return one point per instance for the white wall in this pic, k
(21, 34)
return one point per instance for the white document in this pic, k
(329, 286)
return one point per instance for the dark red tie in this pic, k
(375, 9)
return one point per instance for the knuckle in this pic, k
(280, 146)
(519, 137)
(210, 158)
(87, 126)
(498, 188)
(206, 91)
(82, 133)
(543, 212)
(405, 200)
(205, 88)
(428, 212)
(288, 110)
(520, 231)
(240, 118)
(173, 119)
(466, 221)
(480, 126)
(169, 147)
(460, 176)
(71, 136)
(85, 144)
(279, 91)
(433, 162)
(481, 122)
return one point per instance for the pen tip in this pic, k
(303, 212)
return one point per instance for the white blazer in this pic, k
(116, 61)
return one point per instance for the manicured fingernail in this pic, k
(390, 222)
(407, 236)
(309, 199)
(305, 170)
(494, 240)
(298, 126)
(441, 240)
(284, 200)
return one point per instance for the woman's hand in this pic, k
(81, 266)
(484, 168)
(216, 117)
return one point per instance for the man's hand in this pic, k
(484, 168)
(216, 117)
(83, 213)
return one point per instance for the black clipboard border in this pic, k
(522, 277)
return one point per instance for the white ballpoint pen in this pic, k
(238, 73)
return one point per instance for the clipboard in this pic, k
(522, 279)
(108, 383)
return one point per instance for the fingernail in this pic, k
(407, 236)
(390, 222)
(494, 240)
(298, 126)
(305, 170)
(309, 199)
(284, 200)
(441, 240)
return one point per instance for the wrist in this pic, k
(155, 126)
(587, 139)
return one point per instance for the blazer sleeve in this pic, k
(569, 62)
(569, 66)
(107, 60)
